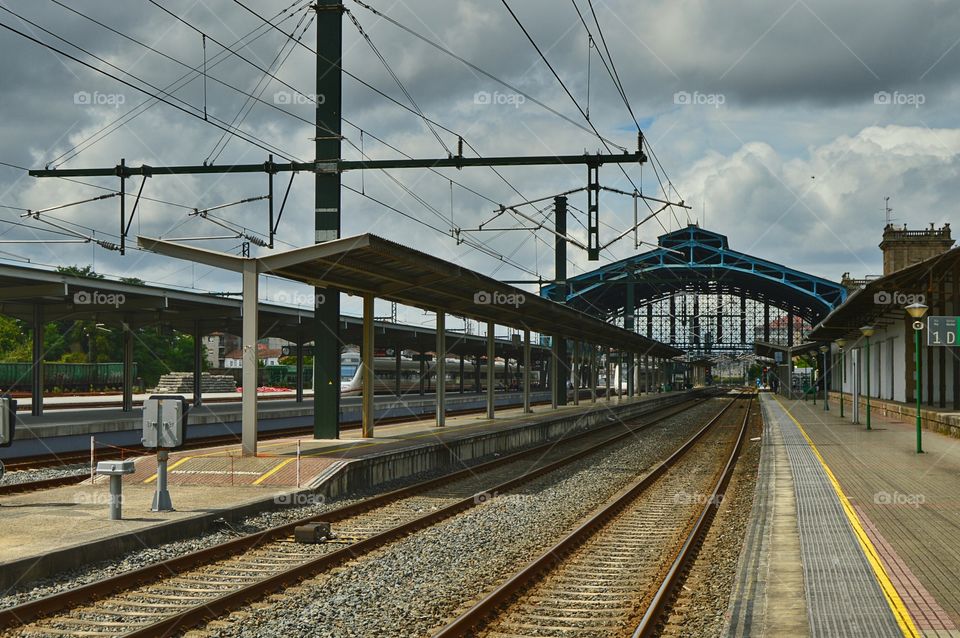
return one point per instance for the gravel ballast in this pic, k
(414, 586)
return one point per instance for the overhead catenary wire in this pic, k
(193, 113)
(185, 79)
(399, 83)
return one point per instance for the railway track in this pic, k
(173, 595)
(615, 573)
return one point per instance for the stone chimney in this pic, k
(902, 248)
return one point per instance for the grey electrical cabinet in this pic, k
(8, 420)
(164, 421)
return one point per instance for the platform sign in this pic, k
(943, 331)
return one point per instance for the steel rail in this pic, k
(33, 610)
(674, 577)
(533, 572)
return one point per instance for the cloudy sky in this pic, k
(784, 124)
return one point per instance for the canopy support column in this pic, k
(554, 372)
(299, 373)
(397, 371)
(575, 369)
(527, 363)
(127, 368)
(367, 366)
(593, 374)
(441, 368)
(606, 373)
(36, 376)
(197, 365)
(491, 379)
(249, 362)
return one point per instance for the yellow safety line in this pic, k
(279, 466)
(170, 467)
(896, 603)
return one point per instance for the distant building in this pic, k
(265, 355)
(902, 248)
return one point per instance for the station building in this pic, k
(871, 335)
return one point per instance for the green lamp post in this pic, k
(868, 331)
(826, 398)
(843, 371)
(917, 311)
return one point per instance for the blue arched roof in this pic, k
(697, 260)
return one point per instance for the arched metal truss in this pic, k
(697, 294)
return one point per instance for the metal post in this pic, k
(441, 368)
(423, 373)
(249, 375)
(161, 498)
(127, 368)
(527, 363)
(197, 365)
(461, 374)
(299, 373)
(554, 372)
(491, 379)
(867, 368)
(397, 371)
(593, 374)
(606, 373)
(367, 366)
(116, 497)
(36, 377)
(826, 397)
(916, 372)
(843, 377)
(327, 151)
(575, 369)
(629, 312)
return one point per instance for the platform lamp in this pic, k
(867, 331)
(917, 311)
(843, 370)
(826, 402)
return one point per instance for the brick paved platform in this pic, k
(879, 529)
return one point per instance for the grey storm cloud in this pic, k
(765, 115)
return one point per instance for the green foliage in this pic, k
(155, 352)
(80, 271)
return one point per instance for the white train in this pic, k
(385, 376)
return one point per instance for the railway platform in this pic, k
(217, 486)
(852, 532)
(68, 429)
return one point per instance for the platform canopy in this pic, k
(881, 301)
(371, 265)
